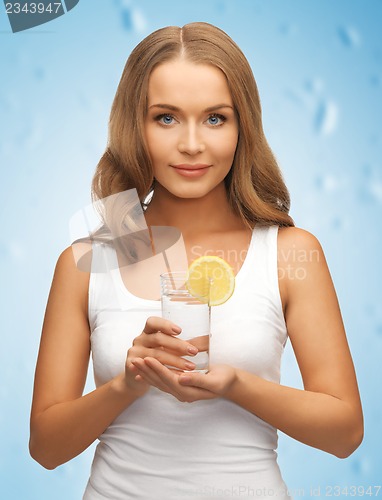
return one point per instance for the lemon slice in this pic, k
(211, 280)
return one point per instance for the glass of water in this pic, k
(186, 311)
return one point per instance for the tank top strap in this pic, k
(103, 293)
(262, 252)
(260, 266)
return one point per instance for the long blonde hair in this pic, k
(255, 187)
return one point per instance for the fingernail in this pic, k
(192, 349)
(189, 366)
(184, 379)
(176, 329)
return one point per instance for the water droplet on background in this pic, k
(293, 96)
(326, 118)
(369, 187)
(327, 183)
(220, 7)
(376, 191)
(369, 309)
(314, 85)
(349, 36)
(337, 223)
(126, 17)
(39, 73)
(288, 29)
(132, 17)
(139, 20)
(360, 465)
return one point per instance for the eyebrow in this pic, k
(174, 108)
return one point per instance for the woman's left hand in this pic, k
(186, 386)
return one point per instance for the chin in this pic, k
(190, 193)
(191, 190)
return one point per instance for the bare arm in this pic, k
(63, 422)
(327, 414)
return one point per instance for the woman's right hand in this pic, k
(158, 340)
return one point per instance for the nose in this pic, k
(190, 140)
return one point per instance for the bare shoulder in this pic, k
(299, 249)
(71, 274)
(298, 239)
(69, 261)
(76, 258)
(66, 260)
(301, 261)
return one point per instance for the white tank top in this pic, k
(160, 448)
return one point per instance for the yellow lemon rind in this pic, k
(206, 265)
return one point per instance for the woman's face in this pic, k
(191, 127)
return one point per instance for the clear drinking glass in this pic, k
(186, 311)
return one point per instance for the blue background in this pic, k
(318, 65)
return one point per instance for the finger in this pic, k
(175, 370)
(157, 371)
(172, 383)
(143, 375)
(166, 348)
(132, 368)
(163, 372)
(197, 387)
(165, 358)
(173, 344)
(195, 379)
(155, 324)
(164, 378)
(201, 343)
(149, 375)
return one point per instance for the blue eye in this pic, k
(216, 120)
(165, 119)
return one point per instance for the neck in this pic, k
(193, 216)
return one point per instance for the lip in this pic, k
(196, 166)
(196, 170)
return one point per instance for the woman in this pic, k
(185, 128)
